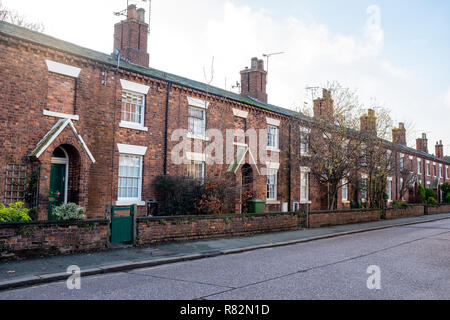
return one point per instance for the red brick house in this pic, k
(99, 126)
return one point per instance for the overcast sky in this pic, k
(395, 51)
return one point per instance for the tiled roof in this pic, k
(48, 41)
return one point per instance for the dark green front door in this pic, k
(57, 187)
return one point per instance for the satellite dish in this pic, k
(116, 52)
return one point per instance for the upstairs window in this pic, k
(402, 161)
(440, 171)
(133, 106)
(272, 137)
(419, 166)
(304, 141)
(197, 121)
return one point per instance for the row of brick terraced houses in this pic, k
(99, 127)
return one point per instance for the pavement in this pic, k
(51, 269)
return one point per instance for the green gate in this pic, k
(122, 226)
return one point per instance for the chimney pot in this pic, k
(131, 12)
(141, 14)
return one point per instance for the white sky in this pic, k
(185, 35)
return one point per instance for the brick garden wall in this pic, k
(331, 218)
(19, 240)
(164, 229)
(413, 211)
(444, 208)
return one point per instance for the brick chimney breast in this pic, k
(324, 108)
(369, 122)
(131, 37)
(439, 150)
(254, 81)
(422, 143)
(399, 134)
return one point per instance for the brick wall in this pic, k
(412, 211)
(18, 240)
(331, 218)
(444, 208)
(164, 229)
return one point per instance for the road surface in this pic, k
(409, 262)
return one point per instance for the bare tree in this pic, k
(14, 17)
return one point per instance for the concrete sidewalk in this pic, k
(34, 271)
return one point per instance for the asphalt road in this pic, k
(414, 262)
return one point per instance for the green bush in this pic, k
(429, 193)
(446, 191)
(14, 213)
(448, 198)
(432, 201)
(69, 211)
(422, 192)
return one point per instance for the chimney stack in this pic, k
(439, 150)
(253, 81)
(324, 108)
(131, 37)
(422, 143)
(399, 134)
(369, 122)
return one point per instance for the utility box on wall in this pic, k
(256, 206)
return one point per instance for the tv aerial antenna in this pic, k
(136, 2)
(267, 56)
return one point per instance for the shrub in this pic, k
(69, 211)
(446, 191)
(432, 201)
(448, 198)
(422, 192)
(429, 193)
(14, 213)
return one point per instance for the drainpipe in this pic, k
(166, 127)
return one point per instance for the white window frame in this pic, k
(446, 172)
(137, 151)
(427, 168)
(137, 200)
(272, 173)
(364, 192)
(441, 174)
(304, 140)
(192, 129)
(275, 138)
(344, 190)
(419, 166)
(195, 163)
(133, 124)
(402, 161)
(389, 188)
(304, 174)
(400, 187)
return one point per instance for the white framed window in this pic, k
(364, 156)
(427, 167)
(130, 178)
(364, 189)
(196, 170)
(197, 121)
(272, 136)
(389, 159)
(133, 108)
(402, 161)
(401, 186)
(389, 189)
(344, 190)
(272, 177)
(304, 141)
(304, 185)
(419, 166)
(446, 173)
(441, 175)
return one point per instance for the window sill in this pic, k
(305, 202)
(61, 115)
(273, 149)
(270, 202)
(133, 126)
(197, 136)
(305, 155)
(130, 203)
(345, 202)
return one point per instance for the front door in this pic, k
(57, 194)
